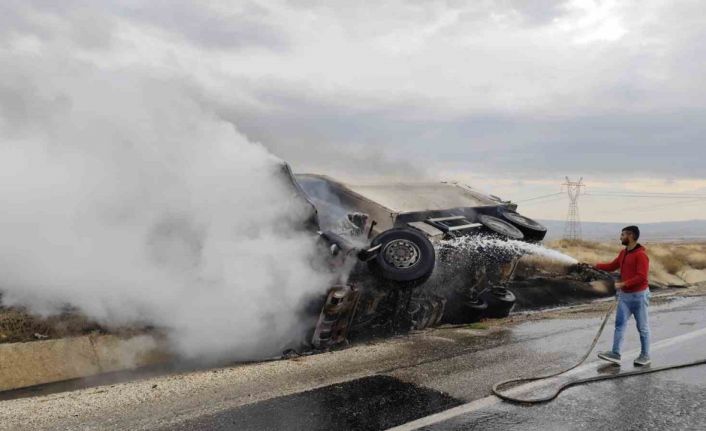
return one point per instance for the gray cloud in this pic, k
(320, 135)
(90, 24)
(332, 137)
(538, 12)
(246, 26)
(396, 87)
(80, 22)
(631, 102)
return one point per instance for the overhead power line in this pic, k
(545, 201)
(540, 197)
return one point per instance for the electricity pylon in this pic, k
(572, 228)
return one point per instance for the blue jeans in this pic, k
(632, 304)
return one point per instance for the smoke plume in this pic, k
(125, 198)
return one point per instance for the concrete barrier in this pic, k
(38, 362)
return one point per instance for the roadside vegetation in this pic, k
(17, 325)
(669, 262)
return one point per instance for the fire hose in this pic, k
(498, 387)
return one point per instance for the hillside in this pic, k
(692, 230)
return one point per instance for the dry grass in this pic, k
(693, 254)
(16, 325)
(667, 260)
(671, 264)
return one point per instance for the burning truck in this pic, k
(399, 250)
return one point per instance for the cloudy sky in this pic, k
(509, 96)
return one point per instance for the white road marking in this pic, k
(486, 402)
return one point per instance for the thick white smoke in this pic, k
(124, 197)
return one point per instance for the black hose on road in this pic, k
(497, 388)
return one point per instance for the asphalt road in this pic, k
(674, 399)
(438, 379)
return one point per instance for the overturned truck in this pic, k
(404, 256)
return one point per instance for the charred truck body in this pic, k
(404, 268)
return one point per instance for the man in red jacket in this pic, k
(633, 295)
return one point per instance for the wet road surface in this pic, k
(673, 399)
(392, 382)
(370, 403)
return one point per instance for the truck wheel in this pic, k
(468, 311)
(405, 255)
(500, 227)
(532, 230)
(500, 302)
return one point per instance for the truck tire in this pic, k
(500, 227)
(533, 230)
(405, 255)
(468, 311)
(500, 302)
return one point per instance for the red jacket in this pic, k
(634, 266)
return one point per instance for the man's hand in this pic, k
(619, 285)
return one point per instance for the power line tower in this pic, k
(572, 228)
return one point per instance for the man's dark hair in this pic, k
(634, 230)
